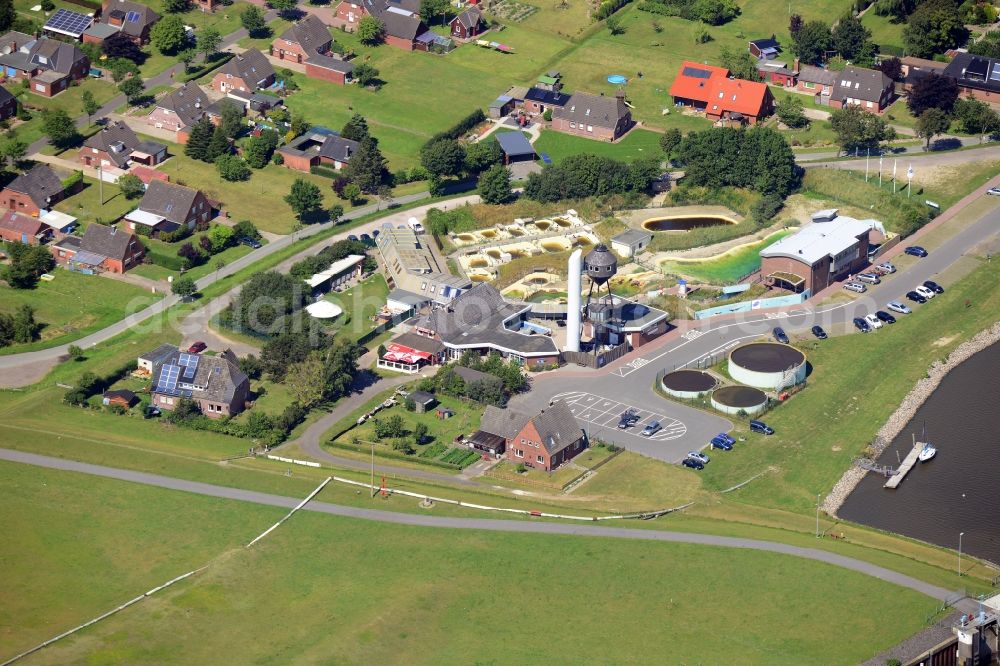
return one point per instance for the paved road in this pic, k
(940, 145)
(423, 520)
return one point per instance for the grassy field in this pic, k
(637, 144)
(884, 31)
(70, 100)
(86, 204)
(73, 305)
(359, 303)
(727, 268)
(129, 538)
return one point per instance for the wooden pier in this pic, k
(908, 462)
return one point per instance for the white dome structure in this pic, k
(324, 310)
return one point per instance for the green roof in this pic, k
(548, 80)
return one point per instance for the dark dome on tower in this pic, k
(600, 264)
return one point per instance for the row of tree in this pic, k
(581, 176)
(757, 158)
(815, 41)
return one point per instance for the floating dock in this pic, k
(908, 462)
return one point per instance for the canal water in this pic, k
(957, 491)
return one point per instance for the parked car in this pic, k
(856, 287)
(925, 292)
(861, 325)
(779, 335)
(352, 237)
(699, 456)
(250, 242)
(693, 464)
(197, 347)
(721, 443)
(869, 278)
(901, 308)
(761, 427)
(887, 267)
(934, 286)
(885, 316)
(916, 297)
(628, 419)
(915, 251)
(819, 332)
(873, 321)
(727, 437)
(651, 429)
(367, 240)
(995, 191)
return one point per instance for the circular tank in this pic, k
(688, 383)
(734, 399)
(767, 365)
(600, 264)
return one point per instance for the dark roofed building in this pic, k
(546, 440)
(215, 383)
(976, 75)
(764, 49)
(167, 206)
(131, 18)
(34, 191)
(245, 72)
(48, 64)
(515, 147)
(318, 146)
(102, 248)
(593, 116)
(302, 40)
(538, 100)
(422, 400)
(401, 19)
(470, 375)
(114, 146)
(179, 110)
(329, 68)
(8, 104)
(816, 80)
(870, 89)
(122, 398)
(18, 228)
(468, 24)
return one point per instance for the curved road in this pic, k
(423, 520)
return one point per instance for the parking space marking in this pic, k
(606, 412)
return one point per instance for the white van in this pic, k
(414, 224)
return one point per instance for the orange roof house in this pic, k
(711, 90)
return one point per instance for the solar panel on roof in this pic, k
(168, 377)
(696, 73)
(995, 73)
(132, 17)
(68, 22)
(190, 364)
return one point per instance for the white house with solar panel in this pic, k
(215, 383)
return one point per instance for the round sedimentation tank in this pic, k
(600, 264)
(767, 365)
(688, 383)
(736, 399)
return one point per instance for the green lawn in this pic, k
(73, 305)
(86, 205)
(70, 100)
(277, 26)
(155, 272)
(727, 268)
(129, 539)
(637, 144)
(884, 31)
(359, 303)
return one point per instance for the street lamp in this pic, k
(960, 535)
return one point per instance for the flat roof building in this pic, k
(414, 267)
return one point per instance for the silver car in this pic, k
(901, 308)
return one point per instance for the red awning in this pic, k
(403, 350)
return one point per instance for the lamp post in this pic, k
(817, 515)
(960, 535)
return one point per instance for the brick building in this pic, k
(710, 89)
(978, 76)
(245, 72)
(593, 116)
(34, 191)
(868, 89)
(215, 383)
(102, 248)
(318, 147)
(543, 441)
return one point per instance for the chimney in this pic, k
(795, 69)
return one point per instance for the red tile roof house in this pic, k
(301, 40)
(50, 65)
(131, 18)
(315, 148)
(401, 19)
(182, 109)
(102, 248)
(869, 89)
(166, 207)
(117, 146)
(544, 441)
(33, 192)
(469, 24)
(710, 89)
(215, 383)
(246, 72)
(593, 116)
(17, 228)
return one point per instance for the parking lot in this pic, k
(605, 413)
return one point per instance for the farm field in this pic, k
(73, 305)
(438, 607)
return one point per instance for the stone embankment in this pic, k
(892, 427)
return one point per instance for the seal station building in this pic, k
(831, 248)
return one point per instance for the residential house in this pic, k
(315, 147)
(122, 398)
(869, 89)
(539, 100)
(150, 360)
(246, 72)
(710, 89)
(400, 17)
(215, 383)
(914, 69)
(166, 207)
(777, 73)
(49, 65)
(468, 24)
(102, 248)
(544, 441)
(8, 104)
(593, 116)
(976, 75)
(18, 228)
(764, 49)
(116, 145)
(34, 191)
(67, 23)
(130, 18)
(817, 81)
(180, 110)
(302, 40)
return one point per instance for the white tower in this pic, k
(573, 313)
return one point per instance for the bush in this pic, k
(460, 128)
(766, 208)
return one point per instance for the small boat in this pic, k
(927, 453)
